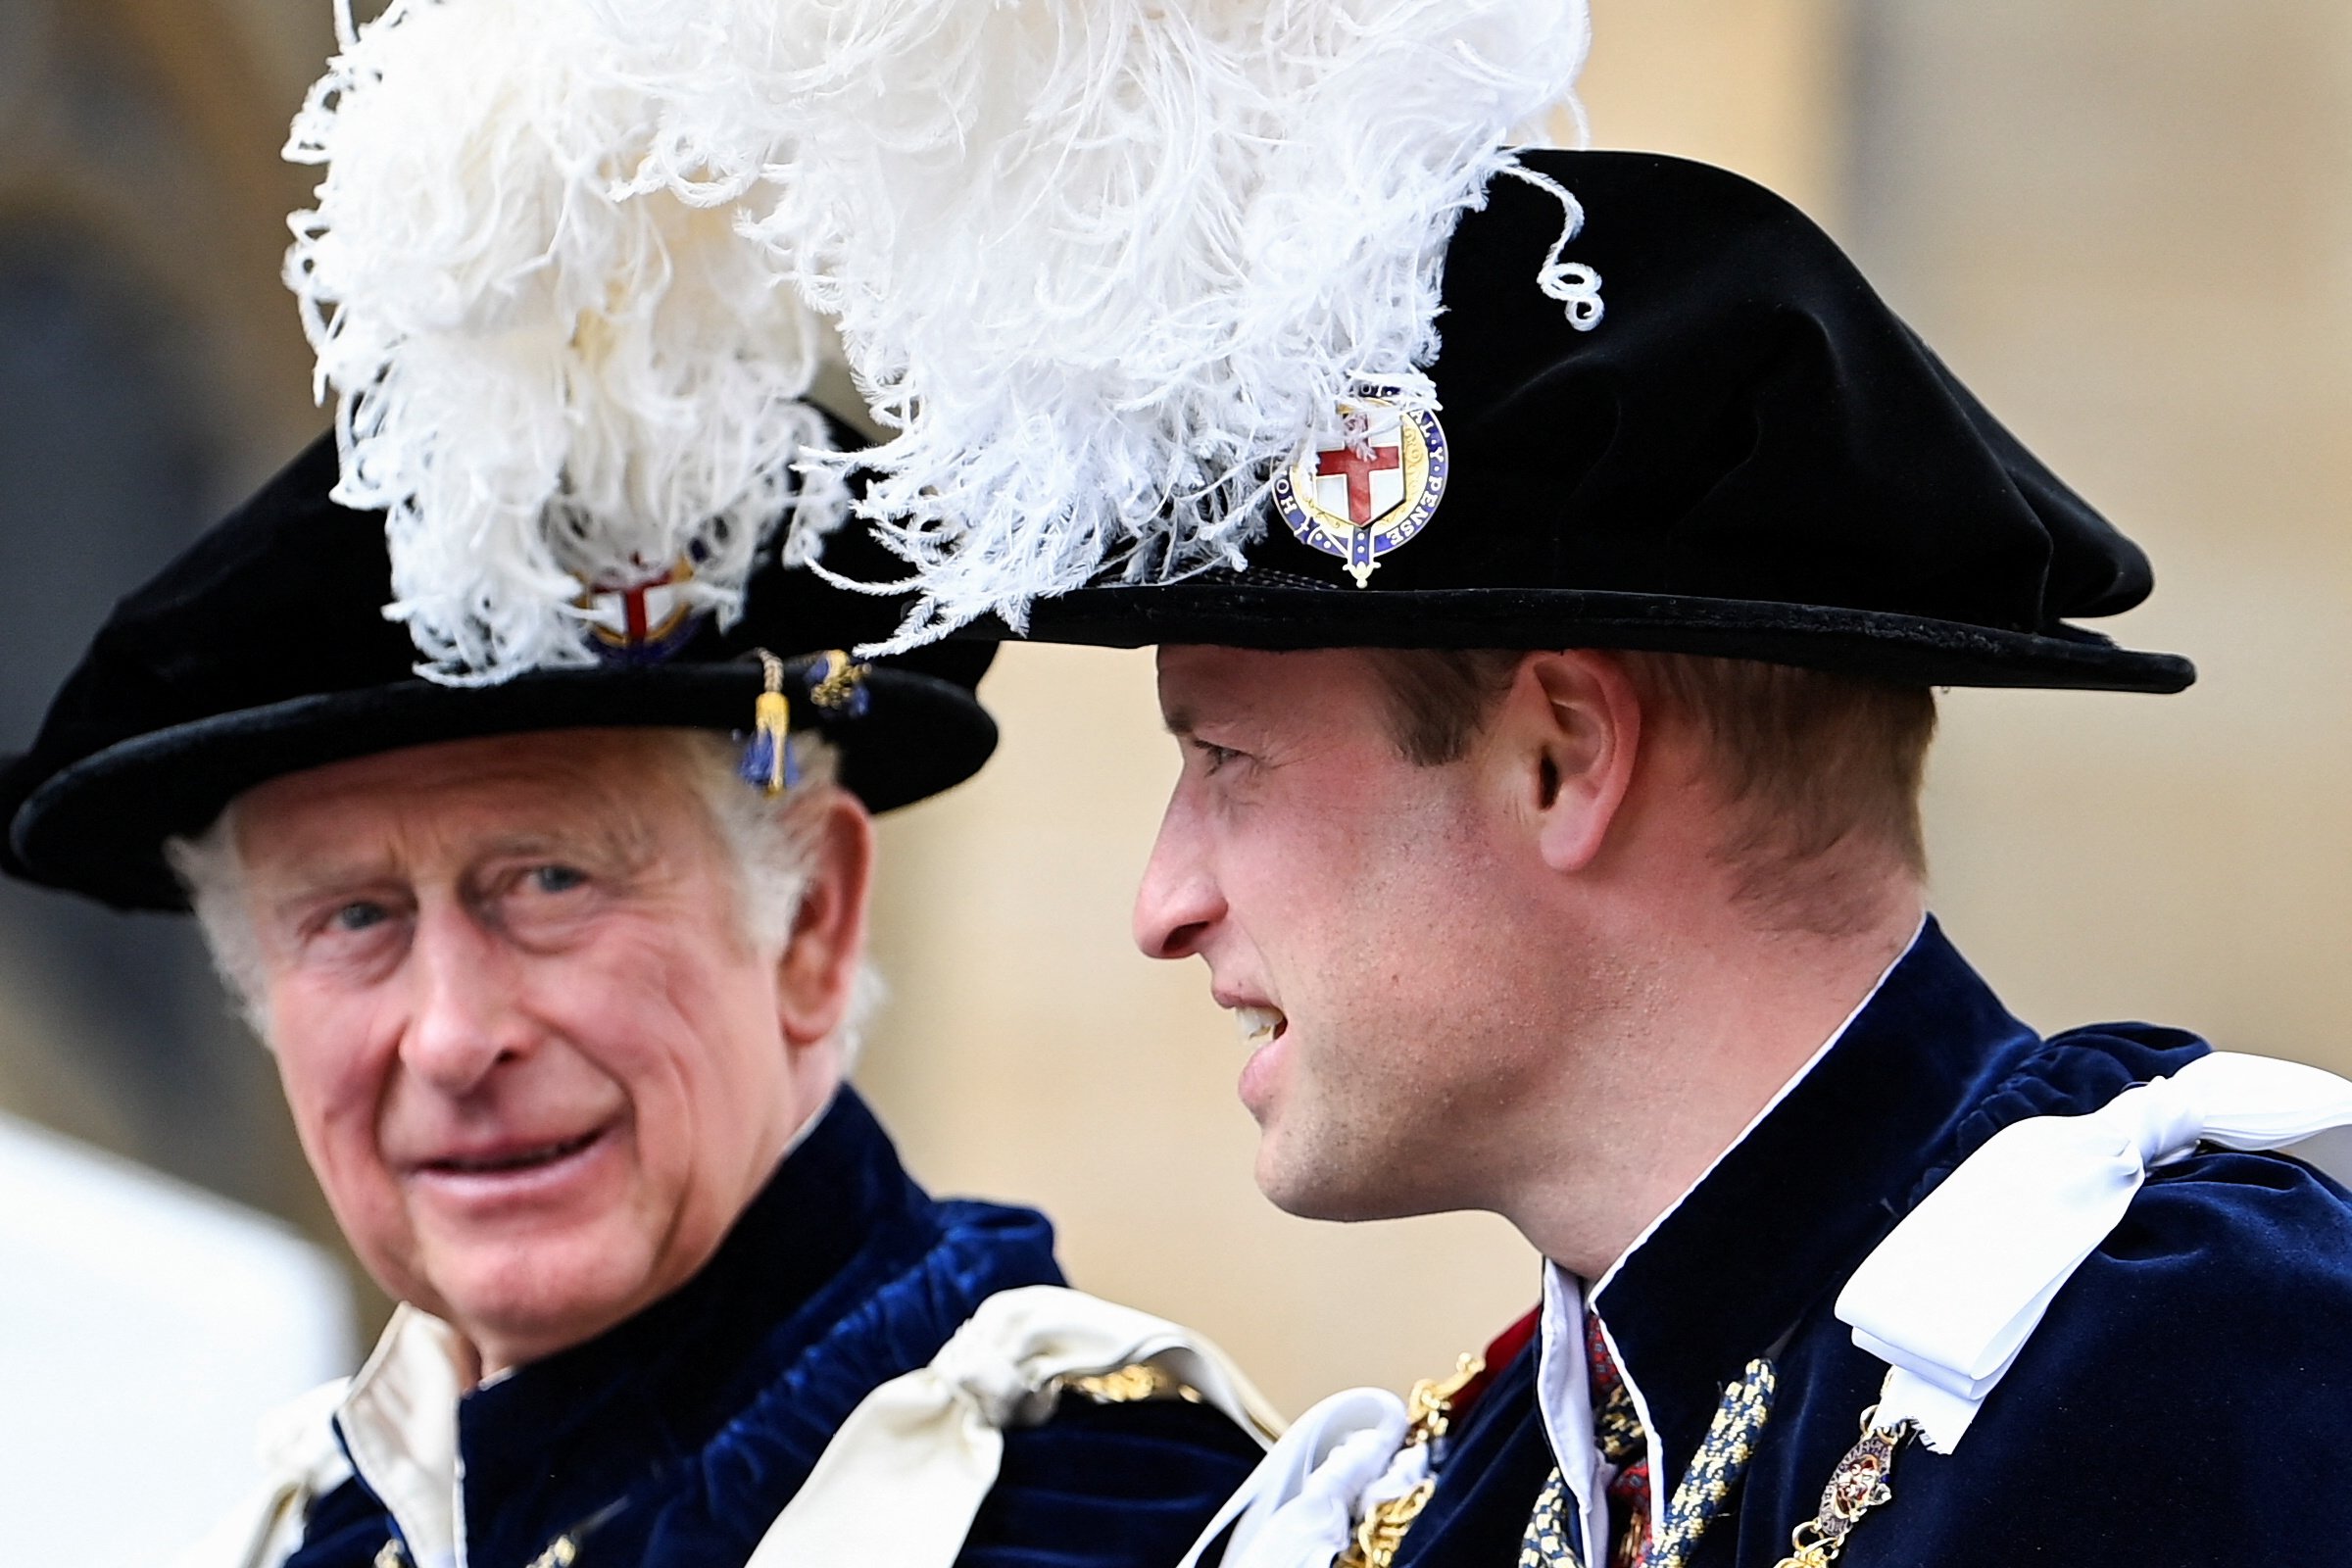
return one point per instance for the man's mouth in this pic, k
(1258, 1026)
(526, 1157)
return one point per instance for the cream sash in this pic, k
(898, 1483)
(1950, 1296)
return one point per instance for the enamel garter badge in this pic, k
(1372, 492)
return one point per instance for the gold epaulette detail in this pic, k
(1144, 1380)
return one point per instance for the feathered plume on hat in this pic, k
(547, 384)
(1100, 264)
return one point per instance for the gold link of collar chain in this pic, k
(1429, 1412)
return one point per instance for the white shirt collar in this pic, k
(398, 1422)
(1563, 1383)
(1564, 1397)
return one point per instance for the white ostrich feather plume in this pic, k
(1099, 265)
(543, 381)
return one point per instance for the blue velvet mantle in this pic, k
(2186, 1401)
(685, 1430)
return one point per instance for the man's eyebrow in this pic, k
(1179, 721)
(334, 872)
(283, 896)
(526, 842)
(617, 839)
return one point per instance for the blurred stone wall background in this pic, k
(2127, 225)
(151, 372)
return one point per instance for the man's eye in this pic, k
(357, 915)
(1214, 757)
(557, 878)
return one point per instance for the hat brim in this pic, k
(98, 825)
(1879, 644)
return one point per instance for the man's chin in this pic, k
(1312, 1189)
(524, 1301)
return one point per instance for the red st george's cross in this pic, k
(1358, 470)
(637, 624)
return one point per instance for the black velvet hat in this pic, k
(265, 649)
(1747, 455)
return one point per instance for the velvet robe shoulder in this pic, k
(677, 1436)
(2183, 1403)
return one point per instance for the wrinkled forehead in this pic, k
(616, 789)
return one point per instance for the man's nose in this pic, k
(1178, 901)
(468, 1018)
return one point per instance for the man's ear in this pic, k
(817, 972)
(1573, 727)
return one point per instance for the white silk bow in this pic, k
(1300, 1506)
(1952, 1293)
(898, 1483)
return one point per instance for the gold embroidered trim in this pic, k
(559, 1555)
(1130, 1384)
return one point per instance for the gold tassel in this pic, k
(767, 759)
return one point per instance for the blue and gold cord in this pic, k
(1703, 1494)
(1708, 1485)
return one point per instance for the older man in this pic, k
(561, 1004)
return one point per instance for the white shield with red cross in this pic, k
(1370, 491)
(1363, 479)
(641, 621)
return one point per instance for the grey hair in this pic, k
(212, 873)
(770, 842)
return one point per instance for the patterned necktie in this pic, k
(1705, 1489)
(1617, 1432)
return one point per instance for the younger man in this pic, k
(1567, 864)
